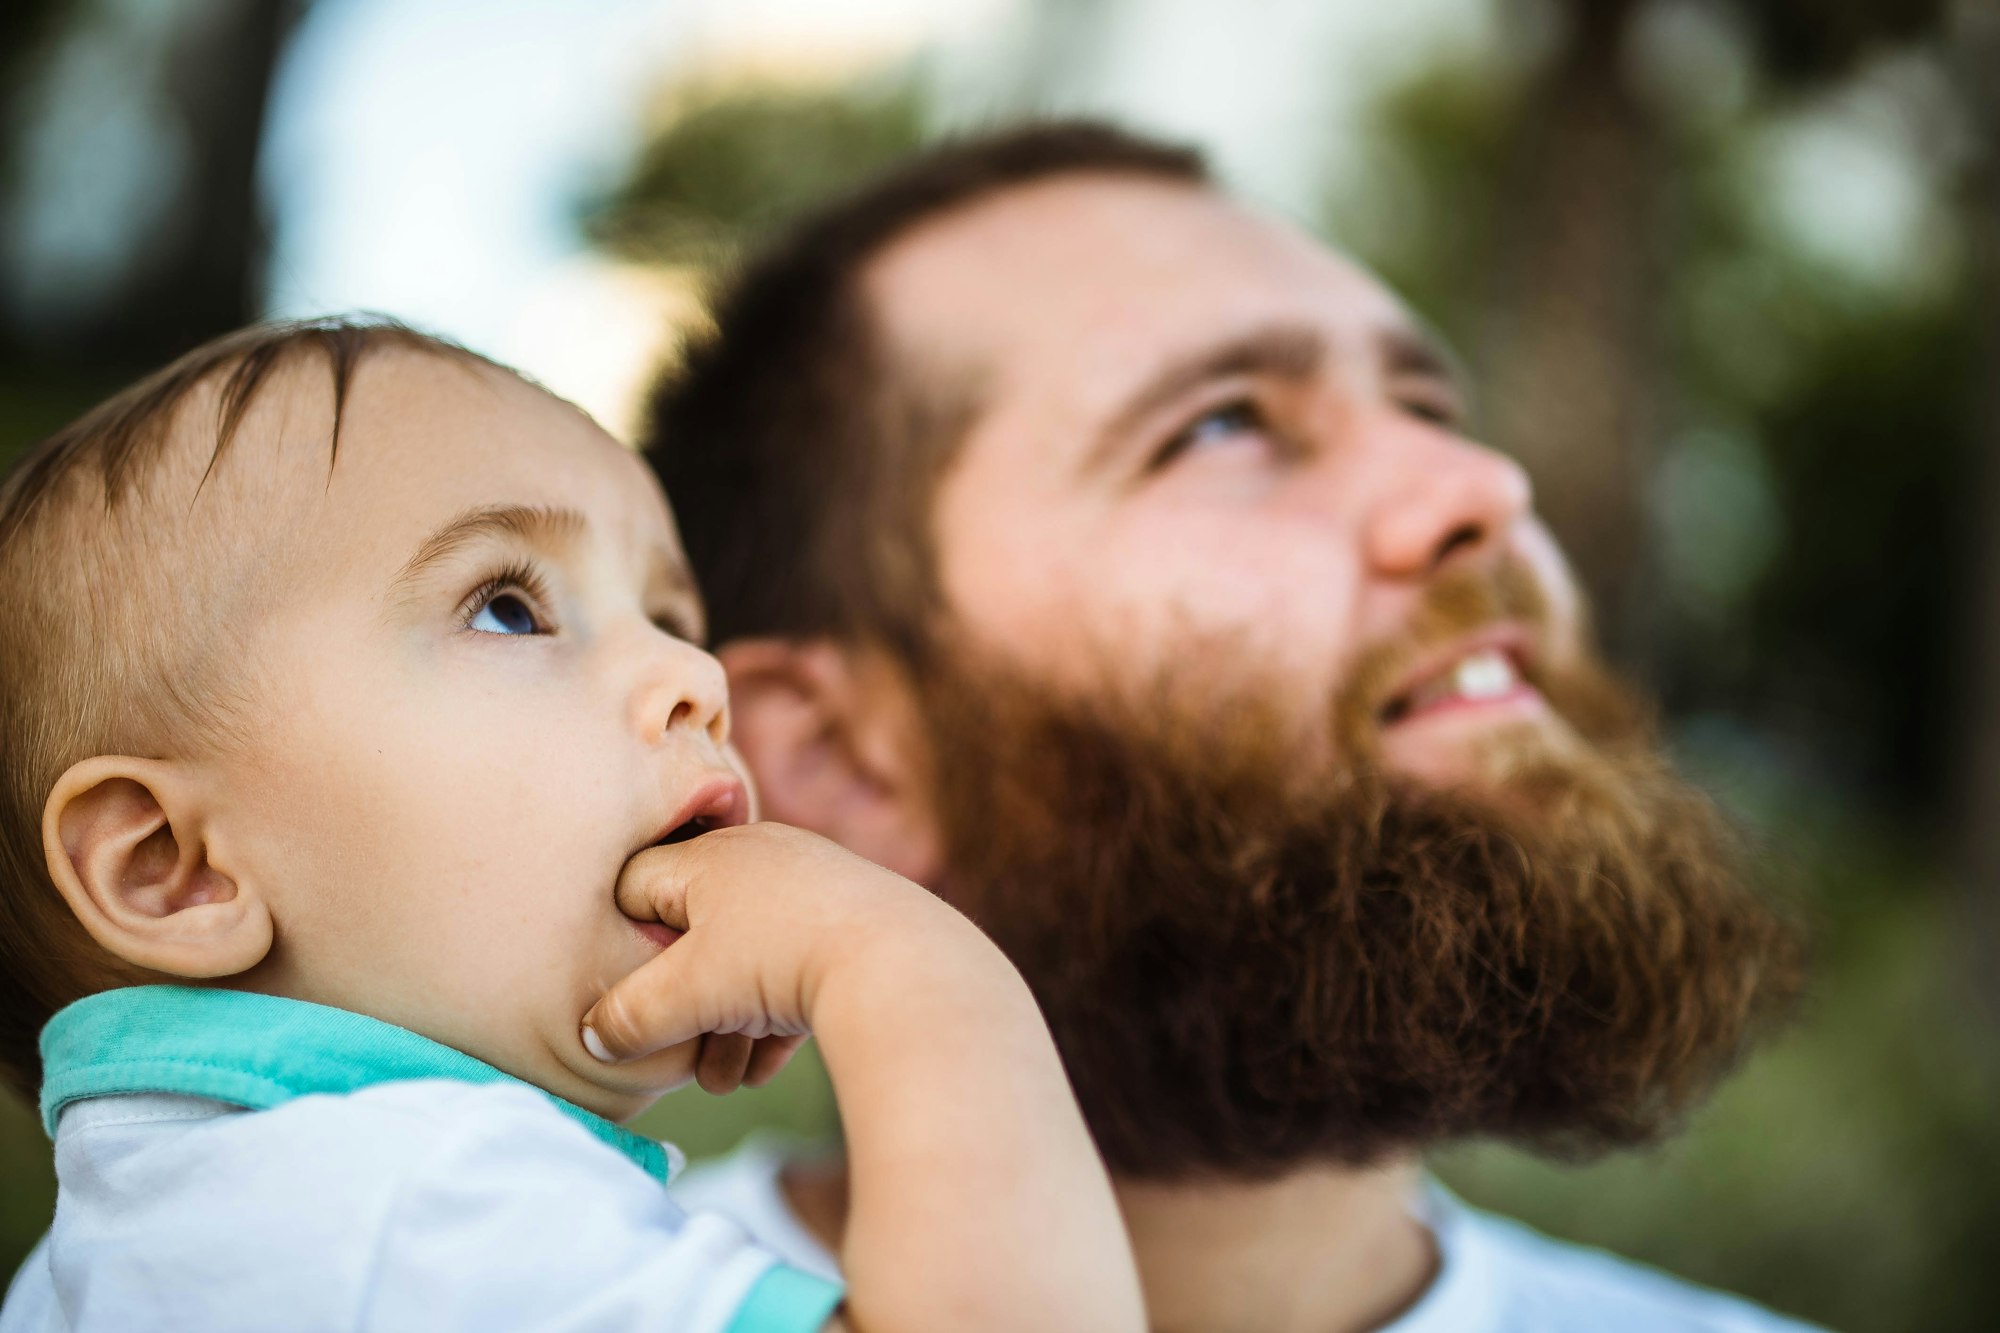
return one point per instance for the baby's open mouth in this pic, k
(693, 828)
(721, 802)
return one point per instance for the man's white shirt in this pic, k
(1494, 1276)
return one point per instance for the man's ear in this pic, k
(125, 847)
(832, 736)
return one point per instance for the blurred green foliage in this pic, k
(798, 1104)
(1848, 1174)
(28, 1201)
(733, 161)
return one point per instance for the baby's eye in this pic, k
(505, 613)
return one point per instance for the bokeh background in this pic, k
(1727, 272)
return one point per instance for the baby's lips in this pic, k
(657, 932)
(723, 801)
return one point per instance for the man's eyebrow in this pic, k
(1406, 350)
(529, 523)
(1284, 351)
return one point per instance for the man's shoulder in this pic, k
(1533, 1283)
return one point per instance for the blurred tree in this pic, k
(1976, 58)
(24, 27)
(1802, 42)
(1570, 348)
(169, 95)
(25, 30)
(734, 159)
(129, 231)
(1567, 351)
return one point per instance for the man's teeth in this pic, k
(1486, 674)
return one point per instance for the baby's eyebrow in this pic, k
(538, 524)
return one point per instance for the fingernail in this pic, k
(592, 1044)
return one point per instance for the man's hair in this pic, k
(801, 463)
(118, 632)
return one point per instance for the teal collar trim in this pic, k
(258, 1051)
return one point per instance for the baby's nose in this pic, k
(683, 690)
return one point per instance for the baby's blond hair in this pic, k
(123, 599)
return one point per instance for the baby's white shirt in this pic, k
(422, 1205)
(431, 1203)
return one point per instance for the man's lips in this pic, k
(1479, 671)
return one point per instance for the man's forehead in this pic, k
(1084, 279)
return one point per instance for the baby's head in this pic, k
(342, 664)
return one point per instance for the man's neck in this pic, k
(1323, 1250)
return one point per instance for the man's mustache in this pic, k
(1457, 604)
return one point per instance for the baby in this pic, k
(372, 847)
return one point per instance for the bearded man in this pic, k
(1115, 561)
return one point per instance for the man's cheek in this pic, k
(1567, 617)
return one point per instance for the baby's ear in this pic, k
(125, 847)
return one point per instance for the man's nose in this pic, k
(682, 691)
(1444, 497)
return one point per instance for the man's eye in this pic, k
(505, 613)
(1234, 420)
(1434, 410)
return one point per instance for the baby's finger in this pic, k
(724, 1059)
(771, 1055)
(649, 1010)
(653, 885)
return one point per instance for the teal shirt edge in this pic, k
(260, 1051)
(786, 1300)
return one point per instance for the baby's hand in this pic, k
(769, 913)
(978, 1201)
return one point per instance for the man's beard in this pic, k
(1255, 957)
